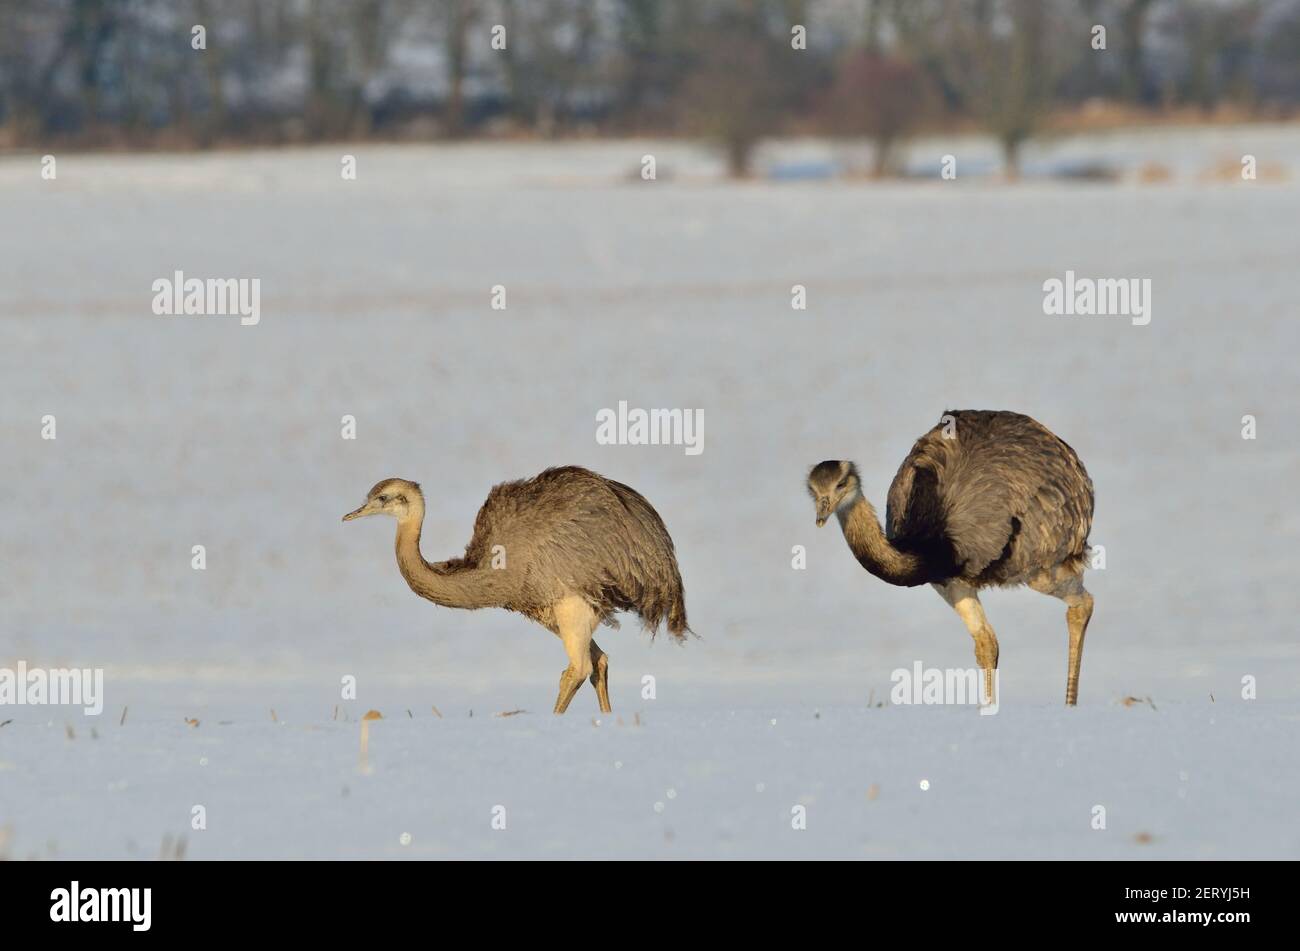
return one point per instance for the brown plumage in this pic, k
(984, 498)
(567, 548)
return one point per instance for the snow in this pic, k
(695, 778)
(175, 432)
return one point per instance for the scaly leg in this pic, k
(1077, 616)
(964, 599)
(600, 677)
(576, 621)
(1067, 584)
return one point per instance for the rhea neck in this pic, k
(462, 587)
(873, 550)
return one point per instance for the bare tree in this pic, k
(1217, 39)
(995, 51)
(1132, 21)
(654, 51)
(881, 97)
(734, 96)
(213, 59)
(1017, 87)
(98, 71)
(459, 15)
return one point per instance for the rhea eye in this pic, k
(383, 499)
(843, 482)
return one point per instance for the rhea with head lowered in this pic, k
(567, 548)
(983, 499)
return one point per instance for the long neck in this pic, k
(465, 588)
(870, 546)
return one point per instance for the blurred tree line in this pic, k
(126, 72)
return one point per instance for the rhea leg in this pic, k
(600, 677)
(964, 599)
(1068, 586)
(575, 621)
(1077, 616)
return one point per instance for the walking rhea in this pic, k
(577, 548)
(996, 499)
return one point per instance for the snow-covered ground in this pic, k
(174, 432)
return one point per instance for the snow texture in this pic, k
(182, 431)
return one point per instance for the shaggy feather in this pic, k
(999, 501)
(571, 531)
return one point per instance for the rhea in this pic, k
(983, 499)
(567, 549)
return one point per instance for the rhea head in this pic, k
(395, 497)
(832, 484)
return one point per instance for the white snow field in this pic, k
(173, 432)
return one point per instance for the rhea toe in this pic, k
(567, 548)
(983, 499)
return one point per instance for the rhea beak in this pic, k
(363, 511)
(823, 511)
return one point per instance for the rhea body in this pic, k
(567, 549)
(983, 499)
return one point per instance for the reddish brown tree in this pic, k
(881, 97)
